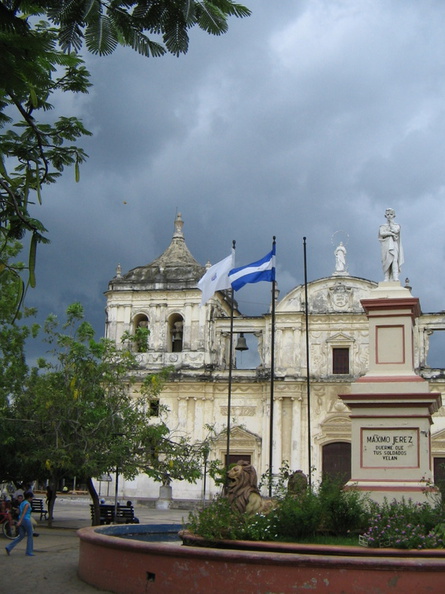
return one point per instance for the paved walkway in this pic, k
(53, 569)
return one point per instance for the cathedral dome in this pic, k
(175, 268)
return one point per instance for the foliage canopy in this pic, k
(87, 412)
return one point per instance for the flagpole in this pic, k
(272, 377)
(229, 395)
(262, 270)
(308, 384)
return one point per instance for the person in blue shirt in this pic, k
(25, 525)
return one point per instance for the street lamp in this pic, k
(205, 454)
(117, 482)
(115, 493)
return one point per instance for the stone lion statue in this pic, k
(297, 484)
(242, 490)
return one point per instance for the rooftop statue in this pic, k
(391, 245)
(340, 259)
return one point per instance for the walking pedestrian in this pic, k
(25, 525)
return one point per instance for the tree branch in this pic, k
(30, 121)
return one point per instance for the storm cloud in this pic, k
(309, 118)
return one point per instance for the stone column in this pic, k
(296, 435)
(286, 430)
(277, 452)
(182, 414)
(199, 418)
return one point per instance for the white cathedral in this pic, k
(163, 296)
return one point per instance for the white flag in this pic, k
(216, 278)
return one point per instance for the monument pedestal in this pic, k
(391, 444)
(165, 497)
(391, 407)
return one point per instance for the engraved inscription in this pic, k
(390, 448)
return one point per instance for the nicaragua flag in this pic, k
(216, 278)
(263, 270)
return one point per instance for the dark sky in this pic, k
(309, 118)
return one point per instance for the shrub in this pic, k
(342, 511)
(215, 521)
(260, 527)
(294, 517)
(219, 521)
(405, 525)
(298, 517)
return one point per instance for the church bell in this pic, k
(241, 344)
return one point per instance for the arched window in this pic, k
(140, 333)
(175, 333)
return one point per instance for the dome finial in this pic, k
(179, 223)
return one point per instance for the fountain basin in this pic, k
(145, 533)
(132, 567)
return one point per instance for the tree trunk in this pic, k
(95, 499)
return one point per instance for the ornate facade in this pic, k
(163, 297)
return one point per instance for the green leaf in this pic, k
(3, 171)
(100, 36)
(176, 38)
(211, 18)
(33, 97)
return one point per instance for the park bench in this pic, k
(125, 514)
(37, 508)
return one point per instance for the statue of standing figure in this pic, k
(340, 258)
(391, 244)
